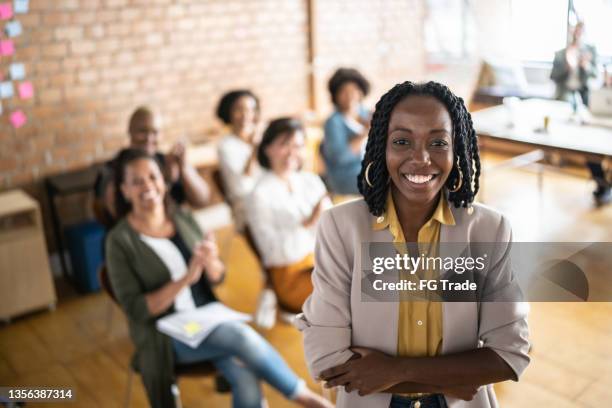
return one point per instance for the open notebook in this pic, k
(193, 326)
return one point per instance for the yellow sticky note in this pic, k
(192, 328)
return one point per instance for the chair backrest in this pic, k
(105, 283)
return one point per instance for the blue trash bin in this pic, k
(84, 242)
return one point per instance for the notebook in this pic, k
(193, 326)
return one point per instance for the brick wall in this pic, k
(382, 38)
(93, 61)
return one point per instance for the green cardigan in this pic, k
(134, 270)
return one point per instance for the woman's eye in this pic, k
(439, 143)
(401, 142)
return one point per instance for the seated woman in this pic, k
(238, 150)
(346, 130)
(159, 262)
(283, 211)
(418, 182)
(186, 185)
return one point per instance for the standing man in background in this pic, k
(572, 68)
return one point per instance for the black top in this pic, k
(201, 290)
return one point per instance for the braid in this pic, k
(465, 146)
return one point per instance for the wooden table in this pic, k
(584, 135)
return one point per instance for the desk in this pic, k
(593, 141)
(590, 137)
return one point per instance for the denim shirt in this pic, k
(343, 166)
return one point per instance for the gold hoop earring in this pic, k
(366, 175)
(460, 182)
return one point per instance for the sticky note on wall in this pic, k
(17, 71)
(6, 47)
(6, 89)
(21, 6)
(18, 119)
(26, 90)
(6, 10)
(13, 29)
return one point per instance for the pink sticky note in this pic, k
(26, 91)
(6, 11)
(18, 119)
(7, 47)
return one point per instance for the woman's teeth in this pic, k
(418, 178)
(149, 195)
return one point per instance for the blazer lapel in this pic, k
(378, 315)
(459, 319)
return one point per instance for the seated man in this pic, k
(186, 185)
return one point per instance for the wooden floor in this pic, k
(75, 346)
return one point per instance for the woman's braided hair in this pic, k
(465, 146)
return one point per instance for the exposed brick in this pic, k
(93, 61)
(69, 33)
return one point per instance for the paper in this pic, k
(26, 91)
(17, 71)
(6, 47)
(6, 11)
(21, 6)
(193, 326)
(18, 119)
(6, 89)
(13, 29)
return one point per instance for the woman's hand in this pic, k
(196, 266)
(209, 251)
(372, 372)
(316, 212)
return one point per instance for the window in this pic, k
(597, 17)
(539, 27)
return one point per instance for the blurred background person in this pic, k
(186, 185)
(237, 150)
(572, 69)
(283, 211)
(160, 262)
(346, 130)
(573, 66)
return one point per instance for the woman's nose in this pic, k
(421, 157)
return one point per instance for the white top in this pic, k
(234, 154)
(275, 214)
(174, 261)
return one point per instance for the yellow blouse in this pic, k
(420, 322)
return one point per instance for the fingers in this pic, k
(335, 371)
(339, 381)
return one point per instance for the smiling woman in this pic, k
(419, 179)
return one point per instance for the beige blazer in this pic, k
(334, 318)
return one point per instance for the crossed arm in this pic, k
(458, 375)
